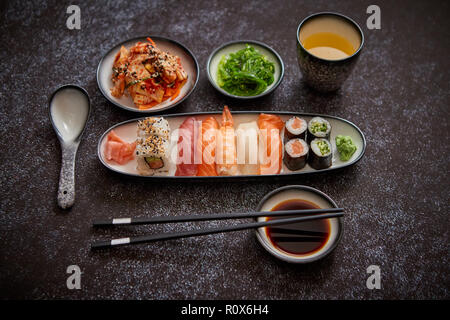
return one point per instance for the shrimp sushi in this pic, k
(187, 163)
(226, 159)
(207, 145)
(270, 145)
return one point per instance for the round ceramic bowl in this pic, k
(188, 61)
(234, 46)
(309, 194)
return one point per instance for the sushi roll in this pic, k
(318, 128)
(153, 150)
(295, 128)
(152, 145)
(321, 154)
(295, 154)
(153, 126)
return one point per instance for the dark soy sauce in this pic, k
(303, 238)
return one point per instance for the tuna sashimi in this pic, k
(187, 140)
(271, 146)
(118, 150)
(207, 145)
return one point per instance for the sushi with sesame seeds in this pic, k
(152, 145)
(157, 126)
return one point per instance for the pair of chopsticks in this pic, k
(307, 215)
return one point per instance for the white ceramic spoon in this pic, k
(69, 112)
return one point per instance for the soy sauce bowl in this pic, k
(234, 46)
(309, 194)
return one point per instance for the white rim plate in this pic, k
(188, 61)
(234, 46)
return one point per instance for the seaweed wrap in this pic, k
(295, 154)
(321, 154)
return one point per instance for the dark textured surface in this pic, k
(397, 194)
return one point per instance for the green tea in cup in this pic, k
(328, 47)
(330, 37)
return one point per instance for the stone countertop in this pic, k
(397, 195)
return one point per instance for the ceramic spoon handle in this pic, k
(66, 190)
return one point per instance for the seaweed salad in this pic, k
(245, 72)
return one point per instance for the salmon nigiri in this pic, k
(208, 147)
(226, 160)
(271, 146)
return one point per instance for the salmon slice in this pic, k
(297, 123)
(208, 147)
(271, 146)
(118, 150)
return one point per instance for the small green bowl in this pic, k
(234, 46)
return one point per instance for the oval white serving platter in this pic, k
(188, 61)
(127, 131)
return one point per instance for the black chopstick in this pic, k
(193, 233)
(204, 217)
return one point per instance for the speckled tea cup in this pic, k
(322, 74)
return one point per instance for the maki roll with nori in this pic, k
(295, 154)
(318, 128)
(321, 155)
(295, 128)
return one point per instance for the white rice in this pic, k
(297, 131)
(320, 120)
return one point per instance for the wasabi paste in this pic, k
(345, 146)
